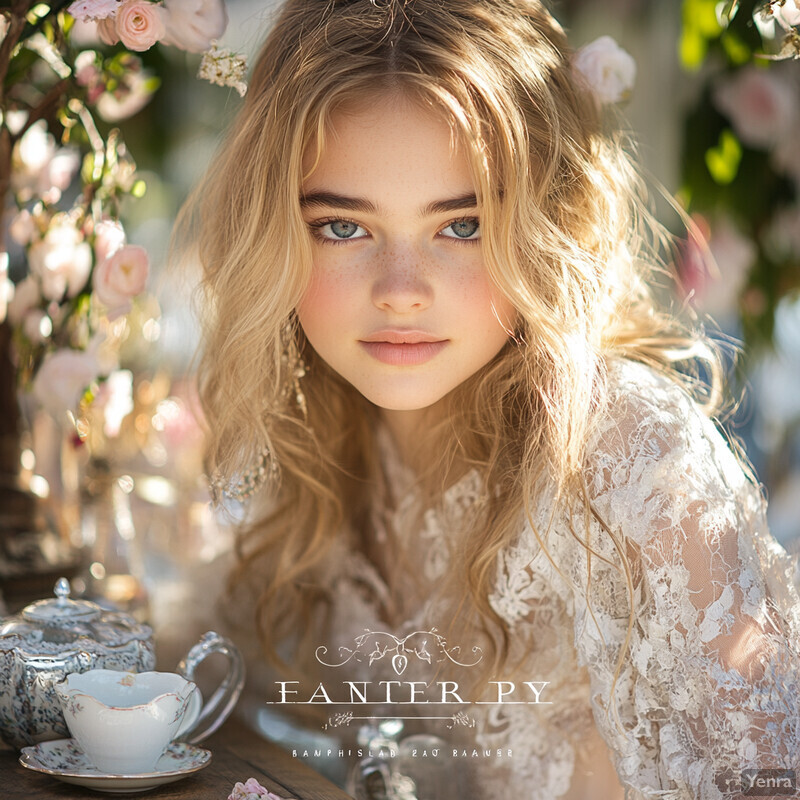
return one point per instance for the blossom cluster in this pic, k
(190, 25)
(251, 790)
(784, 17)
(81, 274)
(79, 270)
(741, 163)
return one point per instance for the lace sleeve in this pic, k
(709, 686)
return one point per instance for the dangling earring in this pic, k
(266, 466)
(251, 481)
(293, 366)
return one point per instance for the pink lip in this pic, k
(401, 336)
(402, 347)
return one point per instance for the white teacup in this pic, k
(124, 721)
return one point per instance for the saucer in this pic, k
(64, 760)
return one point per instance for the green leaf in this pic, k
(724, 159)
(692, 49)
(702, 16)
(737, 51)
(66, 21)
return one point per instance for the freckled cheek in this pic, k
(329, 300)
(479, 296)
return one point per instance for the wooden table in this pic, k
(238, 754)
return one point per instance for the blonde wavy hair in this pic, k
(567, 238)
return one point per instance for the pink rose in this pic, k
(760, 104)
(120, 277)
(193, 24)
(107, 31)
(139, 24)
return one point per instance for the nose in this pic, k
(401, 284)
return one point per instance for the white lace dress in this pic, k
(711, 685)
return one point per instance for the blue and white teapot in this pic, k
(53, 638)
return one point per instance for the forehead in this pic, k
(384, 144)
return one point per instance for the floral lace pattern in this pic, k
(709, 685)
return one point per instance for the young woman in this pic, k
(434, 366)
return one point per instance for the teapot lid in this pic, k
(61, 611)
(59, 624)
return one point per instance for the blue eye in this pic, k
(468, 228)
(337, 230)
(343, 229)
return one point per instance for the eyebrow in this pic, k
(333, 200)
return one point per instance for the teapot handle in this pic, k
(221, 703)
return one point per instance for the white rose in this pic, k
(193, 24)
(26, 297)
(63, 377)
(608, 69)
(61, 260)
(120, 277)
(760, 105)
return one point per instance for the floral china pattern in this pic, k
(29, 709)
(66, 757)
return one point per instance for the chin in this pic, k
(398, 401)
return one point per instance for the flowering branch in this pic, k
(82, 274)
(741, 162)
